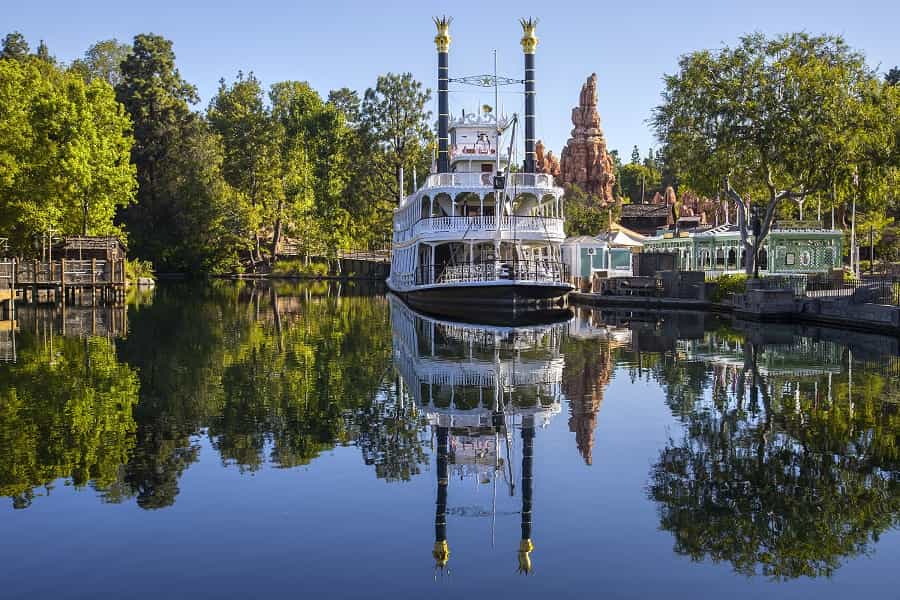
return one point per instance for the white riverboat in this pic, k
(477, 235)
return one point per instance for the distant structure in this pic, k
(545, 161)
(646, 219)
(585, 160)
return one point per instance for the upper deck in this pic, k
(453, 205)
(475, 143)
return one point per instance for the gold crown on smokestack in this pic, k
(529, 39)
(442, 39)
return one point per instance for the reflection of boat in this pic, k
(477, 385)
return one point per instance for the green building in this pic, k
(791, 247)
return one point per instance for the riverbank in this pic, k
(766, 306)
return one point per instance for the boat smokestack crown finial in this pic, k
(529, 39)
(442, 39)
(442, 42)
(529, 45)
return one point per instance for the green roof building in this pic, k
(792, 247)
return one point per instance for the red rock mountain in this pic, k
(585, 160)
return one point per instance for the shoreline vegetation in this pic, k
(117, 143)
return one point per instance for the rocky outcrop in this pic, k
(545, 162)
(585, 160)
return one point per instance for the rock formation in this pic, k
(585, 161)
(545, 163)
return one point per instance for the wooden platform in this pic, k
(63, 281)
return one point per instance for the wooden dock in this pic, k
(63, 281)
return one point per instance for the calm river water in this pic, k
(238, 440)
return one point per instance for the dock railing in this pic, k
(65, 272)
(877, 289)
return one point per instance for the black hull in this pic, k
(504, 305)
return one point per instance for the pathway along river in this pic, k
(238, 440)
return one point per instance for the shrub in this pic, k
(728, 285)
(136, 269)
(297, 268)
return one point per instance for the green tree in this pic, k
(252, 149)
(103, 60)
(638, 182)
(43, 53)
(315, 135)
(892, 77)
(187, 217)
(15, 47)
(395, 117)
(64, 153)
(348, 103)
(583, 215)
(635, 156)
(777, 118)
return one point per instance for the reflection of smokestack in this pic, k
(442, 41)
(529, 45)
(525, 546)
(441, 550)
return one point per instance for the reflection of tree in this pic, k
(387, 433)
(777, 479)
(267, 377)
(65, 412)
(296, 377)
(588, 369)
(177, 343)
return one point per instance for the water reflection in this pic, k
(788, 463)
(478, 385)
(776, 450)
(65, 412)
(268, 374)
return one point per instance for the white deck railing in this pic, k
(538, 180)
(538, 271)
(543, 225)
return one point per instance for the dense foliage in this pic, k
(64, 151)
(794, 117)
(113, 144)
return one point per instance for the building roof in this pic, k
(585, 240)
(633, 211)
(622, 236)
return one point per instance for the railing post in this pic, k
(62, 279)
(93, 282)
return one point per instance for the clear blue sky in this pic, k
(337, 43)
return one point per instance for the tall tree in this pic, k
(252, 148)
(187, 217)
(315, 140)
(348, 103)
(103, 60)
(64, 153)
(43, 53)
(775, 118)
(14, 46)
(892, 77)
(394, 115)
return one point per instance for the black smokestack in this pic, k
(442, 41)
(529, 45)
